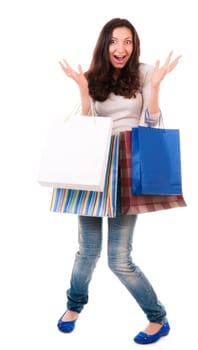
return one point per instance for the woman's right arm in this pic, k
(79, 78)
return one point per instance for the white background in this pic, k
(37, 247)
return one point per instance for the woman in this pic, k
(121, 87)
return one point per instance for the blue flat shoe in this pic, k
(66, 326)
(143, 338)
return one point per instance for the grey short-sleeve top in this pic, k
(128, 113)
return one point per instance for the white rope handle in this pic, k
(92, 109)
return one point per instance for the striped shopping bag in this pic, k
(91, 203)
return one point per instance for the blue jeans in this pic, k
(120, 237)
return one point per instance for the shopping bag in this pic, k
(92, 203)
(139, 204)
(76, 153)
(156, 161)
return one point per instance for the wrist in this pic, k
(84, 91)
(155, 88)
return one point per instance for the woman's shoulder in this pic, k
(145, 68)
(146, 71)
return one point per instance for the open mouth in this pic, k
(119, 59)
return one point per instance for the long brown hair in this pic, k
(100, 73)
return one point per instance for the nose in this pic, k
(120, 47)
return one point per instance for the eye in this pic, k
(128, 41)
(113, 41)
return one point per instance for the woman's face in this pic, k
(121, 47)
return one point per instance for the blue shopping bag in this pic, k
(156, 161)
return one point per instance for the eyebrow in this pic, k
(128, 37)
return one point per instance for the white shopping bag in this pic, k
(76, 153)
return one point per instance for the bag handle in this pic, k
(77, 110)
(147, 117)
(92, 109)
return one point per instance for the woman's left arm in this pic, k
(158, 75)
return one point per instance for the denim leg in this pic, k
(90, 245)
(120, 238)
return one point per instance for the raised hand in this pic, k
(77, 76)
(159, 73)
